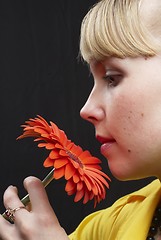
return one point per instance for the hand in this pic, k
(40, 223)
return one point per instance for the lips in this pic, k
(106, 144)
(105, 140)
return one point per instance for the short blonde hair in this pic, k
(114, 28)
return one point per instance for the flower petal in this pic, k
(58, 173)
(79, 195)
(76, 178)
(86, 197)
(58, 163)
(48, 162)
(48, 146)
(85, 154)
(79, 185)
(91, 160)
(70, 185)
(54, 154)
(69, 171)
(76, 150)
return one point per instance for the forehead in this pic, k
(150, 64)
(148, 8)
(149, 11)
(110, 61)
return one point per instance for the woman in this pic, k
(121, 42)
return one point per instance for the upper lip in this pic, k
(104, 139)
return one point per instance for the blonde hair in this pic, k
(114, 28)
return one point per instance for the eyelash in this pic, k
(112, 80)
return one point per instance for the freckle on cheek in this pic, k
(129, 150)
(129, 117)
(142, 114)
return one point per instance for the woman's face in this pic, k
(125, 109)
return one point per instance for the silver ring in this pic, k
(10, 213)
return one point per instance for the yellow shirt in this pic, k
(129, 218)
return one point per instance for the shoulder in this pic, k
(99, 224)
(153, 188)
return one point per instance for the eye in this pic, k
(112, 79)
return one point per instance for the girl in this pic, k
(121, 42)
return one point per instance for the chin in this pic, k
(126, 172)
(122, 175)
(119, 175)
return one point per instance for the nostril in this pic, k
(92, 120)
(86, 116)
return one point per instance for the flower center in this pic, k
(74, 158)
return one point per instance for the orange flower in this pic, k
(80, 169)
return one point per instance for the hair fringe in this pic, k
(114, 28)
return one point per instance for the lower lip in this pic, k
(105, 148)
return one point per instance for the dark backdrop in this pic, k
(40, 74)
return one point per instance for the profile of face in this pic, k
(125, 108)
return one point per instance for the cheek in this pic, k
(127, 114)
(135, 124)
(129, 124)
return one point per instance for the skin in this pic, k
(125, 106)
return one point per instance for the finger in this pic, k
(8, 230)
(12, 201)
(38, 197)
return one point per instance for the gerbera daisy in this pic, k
(80, 169)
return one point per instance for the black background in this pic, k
(40, 74)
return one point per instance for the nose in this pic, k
(93, 110)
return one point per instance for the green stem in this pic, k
(26, 200)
